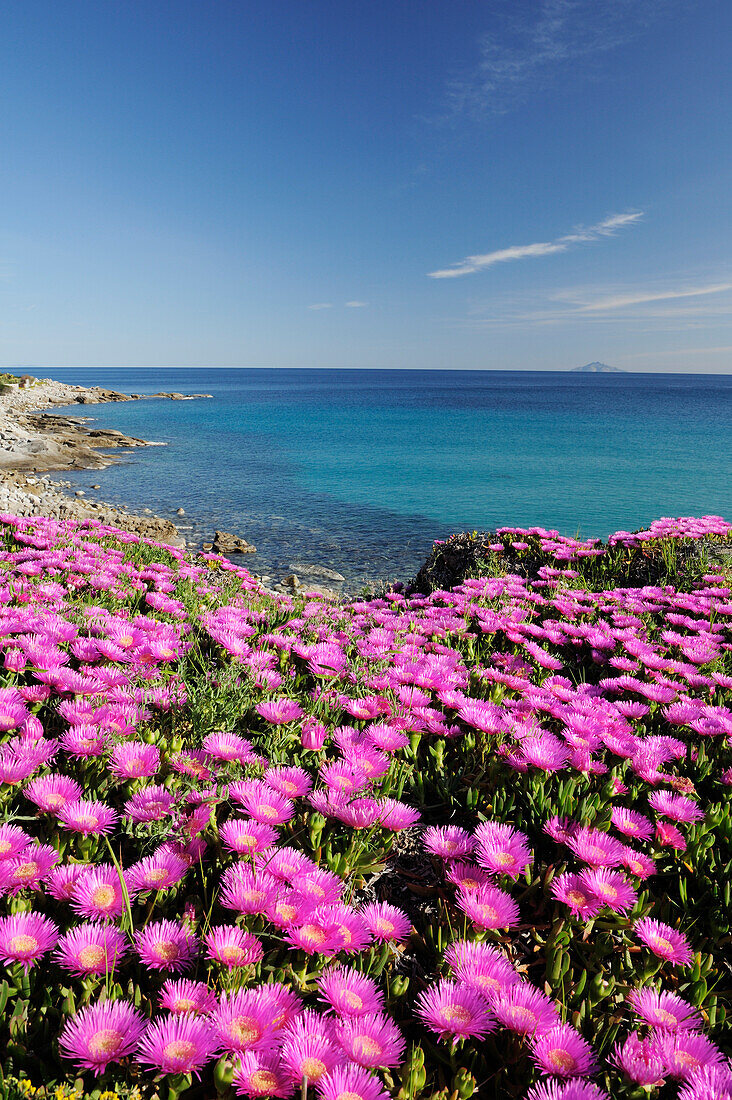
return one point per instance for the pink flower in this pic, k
(684, 1052)
(525, 1010)
(481, 967)
(610, 888)
(101, 1033)
(665, 1011)
(51, 792)
(247, 836)
(563, 1052)
(97, 893)
(576, 893)
(310, 1049)
(488, 907)
(151, 804)
(87, 817)
(260, 1073)
(244, 1021)
(502, 850)
(596, 848)
(631, 823)
(350, 993)
(641, 1060)
(26, 937)
(177, 1044)
(386, 922)
(371, 1040)
(291, 782)
(181, 996)
(165, 945)
(156, 872)
(454, 1011)
(133, 760)
(664, 941)
(28, 870)
(675, 806)
(233, 946)
(279, 711)
(351, 1082)
(91, 949)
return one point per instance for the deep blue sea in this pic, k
(362, 470)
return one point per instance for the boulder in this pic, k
(226, 543)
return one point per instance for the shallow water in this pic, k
(362, 470)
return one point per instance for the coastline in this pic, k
(34, 441)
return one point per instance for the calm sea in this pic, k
(362, 470)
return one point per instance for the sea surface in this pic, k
(361, 470)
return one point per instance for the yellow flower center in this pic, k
(92, 956)
(364, 1046)
(561, 1060)
(263, 1080)
(523, 1017)
(156, 876)
(313, 933)
(456, 1014)
(166, 951)
(504, 859)
(662, 946)
(180, 1051)
(107, 1041)
(26, 871)
(232, 953)
(313, 1068)
(576, 897)
(103, 897)
(287, 912)
(267, 811)
(245, 1029)
(664, 1017)
(22, 944)
(351, 999)
(384, 926)
(184, 1004)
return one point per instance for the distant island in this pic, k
(597, 368)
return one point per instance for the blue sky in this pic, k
(519, 184)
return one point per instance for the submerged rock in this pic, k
(317, 571)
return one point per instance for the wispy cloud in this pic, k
(356, 304)
(643, 297)
(656, 306)
(321, 305)
(529, 44)
(606, 228)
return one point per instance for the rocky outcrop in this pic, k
(24, 495)
(226, 543)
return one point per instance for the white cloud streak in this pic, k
(606, 228)
(321, 305)
(655, 306)
(356, 304)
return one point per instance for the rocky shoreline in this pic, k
(34, 441)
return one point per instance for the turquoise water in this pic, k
(362, 470)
